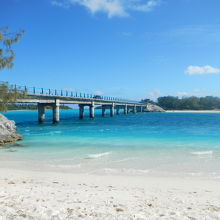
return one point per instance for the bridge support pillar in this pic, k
(41, 113)
(92, 110)
(135, 109)
(125, 110)
(112, 110)
(118, 110)
(81, 111)
(56, 111)
(103, 111)
(142, 109)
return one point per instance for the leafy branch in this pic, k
(7, 39)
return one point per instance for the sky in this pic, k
(124, 48)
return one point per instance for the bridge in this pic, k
(54, 98)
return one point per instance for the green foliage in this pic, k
(8, 95)
(189, 103)
(7, 39)
(147, 101)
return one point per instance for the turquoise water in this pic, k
(136, 144)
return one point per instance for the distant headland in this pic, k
(192, 103)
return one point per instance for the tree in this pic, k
(7, 95)
(189, 103)
(147, 101)
(7, 55)
(7, 39)
(168, 102)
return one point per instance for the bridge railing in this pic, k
(67, 93)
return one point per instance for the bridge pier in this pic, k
(81, 111)
(56, 111)
(141, 109)
(125, 110)
(112, 110)
(118, 110)
(134, 109)
(92, 110)
(53, 98)
(103, 111)
(41, 112)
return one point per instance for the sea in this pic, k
(156, 144)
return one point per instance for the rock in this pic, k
(8, 131)
(154, 108)
(11, 182)
(119, 210)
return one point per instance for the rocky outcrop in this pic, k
(154, 108)
(8, 131)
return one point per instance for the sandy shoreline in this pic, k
(44, 195)
(194, 111)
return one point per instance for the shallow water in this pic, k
(136, 144)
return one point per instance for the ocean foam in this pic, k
(95, 156)
(125, 159)
(202, 152)
(76, 166)
(110, 170)
(128, 171)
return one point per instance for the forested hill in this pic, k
(189, 103)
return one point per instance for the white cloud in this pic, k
(199, 70)
(199, 92)
(60, 4)
(155, 94)
(112, 8)
(182, 93)
(98, 92)
(145, 7)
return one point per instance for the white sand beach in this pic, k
(43, 195)
(194, 111)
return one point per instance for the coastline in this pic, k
(39, 191)
(193, 111)
(33, 110)
(51, 195)
(169, 111)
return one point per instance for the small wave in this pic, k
(54, 132)
(126, 171)
(195, 174)
(125, 159)
(76, 166)
(202, 153)
(11, 150)
(135, 171)
(110, 170)
(94, 156)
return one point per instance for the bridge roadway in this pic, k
(54, 101)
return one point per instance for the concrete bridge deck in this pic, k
(53, 98)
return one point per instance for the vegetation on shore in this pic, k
(7, 56)
(8, 95)
(187, 103)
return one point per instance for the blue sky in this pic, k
(126, 48)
